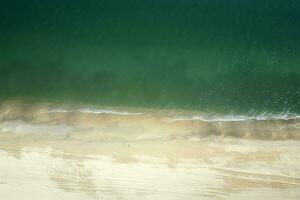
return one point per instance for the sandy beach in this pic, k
(50, 152)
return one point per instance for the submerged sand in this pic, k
(52, 151)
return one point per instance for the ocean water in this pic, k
(214, 56)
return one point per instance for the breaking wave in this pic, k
(239, 118)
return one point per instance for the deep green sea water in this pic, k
(228, 56)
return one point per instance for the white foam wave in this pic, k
(237, 118)
(101, 111)
(94, 111)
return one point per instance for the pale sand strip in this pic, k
(149, 170)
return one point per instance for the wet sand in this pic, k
(138, 154)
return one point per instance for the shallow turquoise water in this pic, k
(227, 56)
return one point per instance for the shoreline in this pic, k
(138, 123)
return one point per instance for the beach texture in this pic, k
(73, 152)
